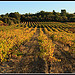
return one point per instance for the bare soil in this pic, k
(67, 64)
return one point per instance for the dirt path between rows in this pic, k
(67, 64)
(31, 62)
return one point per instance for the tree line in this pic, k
(42, 16)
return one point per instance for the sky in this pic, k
(36, 6)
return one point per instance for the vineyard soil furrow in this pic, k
(31, 62)
(66, 59)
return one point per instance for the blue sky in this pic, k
(35, 6)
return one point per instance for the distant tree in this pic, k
(54, 13)
(42, 16)
(15, 15)
(22, 18)
(0, 17)
(56, 17)
(64, 18)
(72, 19)
(6, 14)
(69, 16)
(26, 15)
(63, 12)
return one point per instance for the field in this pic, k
(37, 47)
